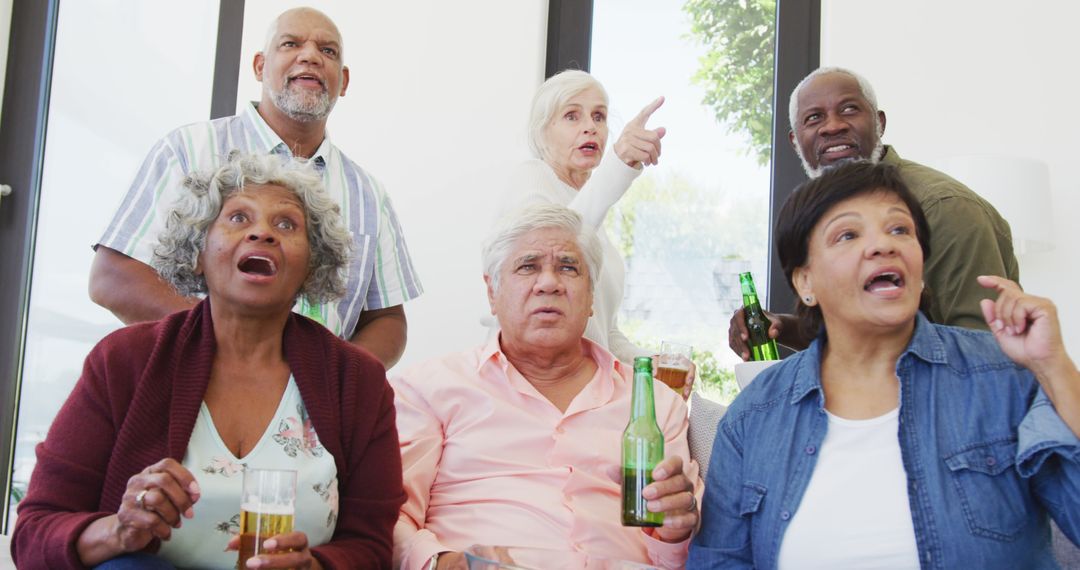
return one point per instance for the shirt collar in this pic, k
(269, 142)
(609, 369)
(891, 156)
(926, 344)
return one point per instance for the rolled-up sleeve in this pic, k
(1048, 452)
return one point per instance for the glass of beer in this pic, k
(267, 509)
(674, 364)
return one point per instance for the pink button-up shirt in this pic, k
(489, 460)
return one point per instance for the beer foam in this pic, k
(263, 509)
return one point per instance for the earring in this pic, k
(809, 299)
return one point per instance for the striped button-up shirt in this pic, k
(380, 273)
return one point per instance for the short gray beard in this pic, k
(300, 106)
(875, 155)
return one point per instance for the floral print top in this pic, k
(289, 442)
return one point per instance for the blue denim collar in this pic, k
(926, 344)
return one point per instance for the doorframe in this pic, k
(25, 118)
(31, 45)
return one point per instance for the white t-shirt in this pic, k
(855, 512)
(289, 442)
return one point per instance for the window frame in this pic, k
(798, 52)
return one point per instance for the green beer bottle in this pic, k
(642, 449)
(757, 324)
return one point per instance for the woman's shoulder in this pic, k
(136, 342)
(533, 182)
(312, 344)
(965, 350)
(773, 387)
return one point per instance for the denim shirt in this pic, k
(986, 457)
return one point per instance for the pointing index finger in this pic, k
(643, 116)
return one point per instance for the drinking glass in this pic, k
(267, 509)
(674, 364)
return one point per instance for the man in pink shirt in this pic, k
(517, 442)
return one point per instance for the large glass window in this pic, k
(688, 226)
(125, 73)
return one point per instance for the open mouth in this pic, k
(886, 281)
(257, 265)
(590, 146)
(307, 78)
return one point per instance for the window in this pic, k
(690, 225)
(110, 101)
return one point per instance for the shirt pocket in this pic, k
(751, 501)
(994, 498)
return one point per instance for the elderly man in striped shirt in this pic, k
(303, 73)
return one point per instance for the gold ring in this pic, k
(140, 498)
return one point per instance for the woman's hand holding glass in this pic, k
(289, 550)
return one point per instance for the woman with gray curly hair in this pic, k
(169, 414)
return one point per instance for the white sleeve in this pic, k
(605, 186)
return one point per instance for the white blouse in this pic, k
(289, 442)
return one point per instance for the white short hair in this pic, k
(865, 88)
(499, 246)
(550, 97)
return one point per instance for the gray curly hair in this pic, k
(177, 255)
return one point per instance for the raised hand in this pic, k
(1028, 331)
(639, 145)
(1025, 326)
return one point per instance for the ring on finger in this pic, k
(140, 499)
(693, 503)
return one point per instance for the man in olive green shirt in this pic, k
(835, 119)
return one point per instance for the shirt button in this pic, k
(810, 450)
(990, 461)
(785, 515)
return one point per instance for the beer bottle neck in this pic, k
(642, 405)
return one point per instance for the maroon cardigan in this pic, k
(136, 403)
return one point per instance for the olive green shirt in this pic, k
(968, 238)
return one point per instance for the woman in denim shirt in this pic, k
(893, 442)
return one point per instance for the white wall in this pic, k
(436, 109)
(978, 77)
